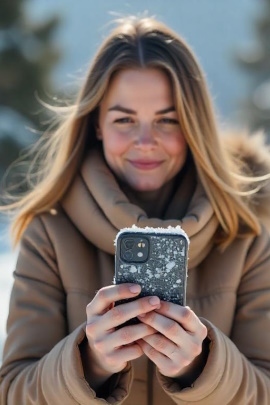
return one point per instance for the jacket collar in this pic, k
(98, 207)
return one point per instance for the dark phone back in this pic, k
(155, 260)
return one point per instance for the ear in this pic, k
(98, 133)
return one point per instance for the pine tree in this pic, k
(27, 56)
(256, 62)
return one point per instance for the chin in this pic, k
(145, 186)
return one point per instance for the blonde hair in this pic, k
(140, 43)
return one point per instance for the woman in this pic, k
(141, 146)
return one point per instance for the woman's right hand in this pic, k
(109, 349)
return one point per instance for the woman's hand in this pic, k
(109, 349)
(178, 341)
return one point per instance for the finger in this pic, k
(182, 315)
(161, 361)
(167, 327)
(126, 353)
(106, 296)
(167, 366)
(128, 334)
(117, 359)
(124, 312)
(161, 344)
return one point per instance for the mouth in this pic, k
(145, 164)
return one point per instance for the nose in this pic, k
(145, 138)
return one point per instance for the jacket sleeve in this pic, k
(41, 361)
(237, 371)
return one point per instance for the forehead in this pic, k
(139, 85)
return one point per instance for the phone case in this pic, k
(155, 258)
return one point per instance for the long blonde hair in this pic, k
(140, 43)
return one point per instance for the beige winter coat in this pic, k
(67, 255)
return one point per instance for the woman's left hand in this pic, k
(178, 340)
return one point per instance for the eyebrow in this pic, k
(118, 107)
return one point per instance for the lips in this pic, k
(145, 164)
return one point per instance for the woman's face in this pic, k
(138, 125)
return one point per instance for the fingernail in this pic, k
(154, 301)
(134, 288)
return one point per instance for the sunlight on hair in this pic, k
(136, 42)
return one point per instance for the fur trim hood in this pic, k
(254, 152)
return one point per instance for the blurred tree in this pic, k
(256, 61)
(27, 56)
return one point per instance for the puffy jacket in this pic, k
(66, 255)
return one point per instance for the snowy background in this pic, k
(7, 265)
(214, 29)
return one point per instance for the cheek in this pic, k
(176, 145)
(115, 144)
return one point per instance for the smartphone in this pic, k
(154, 258)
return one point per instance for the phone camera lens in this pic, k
(129, 243)
(128, 255)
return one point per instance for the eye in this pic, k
(170, 121)
(124, 120)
